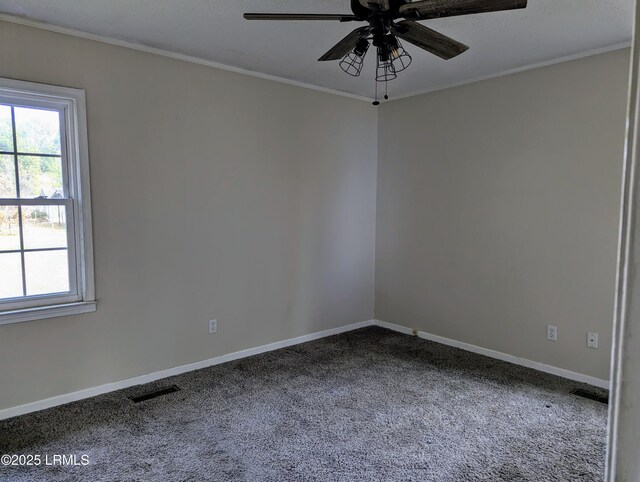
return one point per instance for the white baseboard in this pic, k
(561, 372)
(150, 377)
(394, 327)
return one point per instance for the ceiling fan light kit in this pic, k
(399, 56)
(385, 71)
(352, 62)
(385, 31)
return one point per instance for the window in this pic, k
(46, 254)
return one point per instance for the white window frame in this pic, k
(70, 103)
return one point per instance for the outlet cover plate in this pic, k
(552, 333)
(213, 326)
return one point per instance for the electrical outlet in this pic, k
(592, 340)
(213, 326)
(552, 333)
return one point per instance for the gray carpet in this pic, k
(366, 405)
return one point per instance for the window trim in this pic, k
(72, 102)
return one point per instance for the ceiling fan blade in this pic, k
(427, 39)
(426, 9)
(343, 47)
(299, 16)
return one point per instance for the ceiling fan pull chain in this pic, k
(386, 83)
(376, 102)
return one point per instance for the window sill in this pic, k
(41, 312)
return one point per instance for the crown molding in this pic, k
(546, 63)
(274, 78)
(173, 55)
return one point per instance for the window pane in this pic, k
(11, 279)
(9, 228)
(44, 227)
(37, 130)
(6, 132)
(46, 272)
(7, 176)
(40, 176)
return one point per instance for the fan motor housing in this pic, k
(364, 12)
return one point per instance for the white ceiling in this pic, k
(215, 30)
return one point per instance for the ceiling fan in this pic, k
(384, 31)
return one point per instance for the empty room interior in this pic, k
(366, 240)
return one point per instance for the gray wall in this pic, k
(497, 211)
(221, 195)
(214, 195)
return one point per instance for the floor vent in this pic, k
(590, 395)
(157, 393)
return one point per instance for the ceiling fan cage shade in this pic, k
(352, 62)
(400, 58)
(385, 71)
